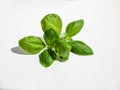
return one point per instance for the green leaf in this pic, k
(31, 44)
(80, 48)
(62, 57)
(74, 28)
(68, 39)
(52, 21)
(62, 46)
(62, 50)
(52, 53)
(45, 59)
(50, 37)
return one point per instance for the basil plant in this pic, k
(54, 47)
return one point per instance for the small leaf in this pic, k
(74, 28)
(62, 50)
(31, 44)
(50, 37)
(80, 48)
(68, 39)
(62, 46)
(62, 57)
(45, 59)
(52, 21)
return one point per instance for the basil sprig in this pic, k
(54, 47)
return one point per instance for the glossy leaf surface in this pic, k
(74, 27)
(31, 44)
(45, 59)
(52, 21)
(80, 48)
(50, 37)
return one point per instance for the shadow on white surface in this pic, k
(18, 50)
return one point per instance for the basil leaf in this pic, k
(62, 57)
(68, 39)
(31, 44)
(45, 59)
(52, 53)
(50, 37)
(62, 49)
(52, 21)
(80, 48)
(74, 27)
(62, 46)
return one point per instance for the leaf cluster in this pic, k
(54, 47)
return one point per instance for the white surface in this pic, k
(19, 18)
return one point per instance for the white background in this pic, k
(19, 18)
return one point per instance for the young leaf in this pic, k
(62, 50)
(52, 21)
(50, 37)
(31, 44)
(80, 48)
(62, 46)
(68, 39)
(74, 27)
(45, 59)
(62, 57)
